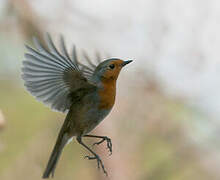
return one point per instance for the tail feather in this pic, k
(50, 169)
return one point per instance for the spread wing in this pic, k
(55, 78)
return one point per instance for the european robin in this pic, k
(85, 92)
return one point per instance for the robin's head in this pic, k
(109, 69)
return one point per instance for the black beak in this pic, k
(126, 62)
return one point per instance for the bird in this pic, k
(85, 92)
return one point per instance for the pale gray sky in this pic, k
(180, 39)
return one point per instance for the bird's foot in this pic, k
(109, 143)
(99, 162)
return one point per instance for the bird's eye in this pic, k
(111, 66)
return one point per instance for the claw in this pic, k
(109, 144)
(89, 157)
(99, 162)
(97, 143)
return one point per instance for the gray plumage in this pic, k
(50, 75)
(86, 91)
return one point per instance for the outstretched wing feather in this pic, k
(52, 76)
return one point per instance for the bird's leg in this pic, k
(99, 161)
(103, 138)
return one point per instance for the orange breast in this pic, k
(107, 95)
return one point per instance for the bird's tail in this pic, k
(54, 157)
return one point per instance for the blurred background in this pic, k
(165, 123)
